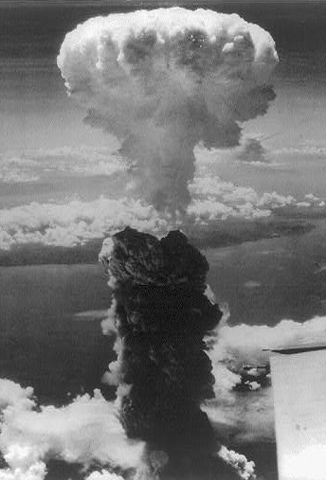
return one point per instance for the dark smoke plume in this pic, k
(163, 373)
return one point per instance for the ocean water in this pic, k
(43, 344)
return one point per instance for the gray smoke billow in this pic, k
(165, 80)
(252, 152)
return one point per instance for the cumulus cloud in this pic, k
(86, 431)
(250, 417)
(12, 394)
(75, 222)
(214, 199)
(164, 80)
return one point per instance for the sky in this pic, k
(189, 3)
(257, 209)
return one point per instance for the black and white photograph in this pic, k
(162, 240)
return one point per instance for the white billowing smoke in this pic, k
(163, 81)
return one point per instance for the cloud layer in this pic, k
(43, 164)
(76, 222)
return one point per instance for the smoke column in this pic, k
(163, 373)
(163, 81)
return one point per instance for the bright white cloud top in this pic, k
(164, 80)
